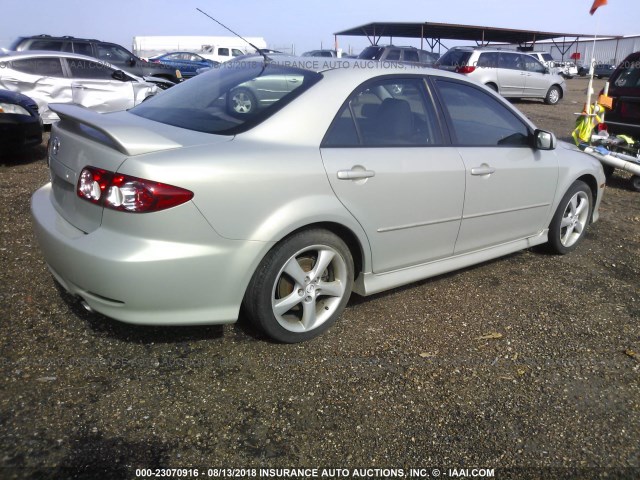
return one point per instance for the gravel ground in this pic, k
(526, 365)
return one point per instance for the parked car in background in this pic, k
(188, 63)
(220, 54)
(600, 70)
(358, 179)
(58, 77)
(323, 53)
(511, 74)
(20, 122)
(164, 76)
(567, 69)
(392, 53)
(624, 88)
(544, 58)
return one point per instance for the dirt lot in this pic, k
(529, 365)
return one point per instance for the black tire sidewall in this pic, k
(554, 228)
(258, 297)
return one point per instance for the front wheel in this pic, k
(571, 219)
(301, 287)
(553, 96)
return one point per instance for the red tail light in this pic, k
(126, 193)
(465, 70)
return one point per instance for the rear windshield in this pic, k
(455, 58)
(229, 99)
(371, 53)
(627, 75)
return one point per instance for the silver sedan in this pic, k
(59, 77)
(354, 178)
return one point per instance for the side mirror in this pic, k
(547, 71)
(120, 75)
(543, 140)
(132, 61)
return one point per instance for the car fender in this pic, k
(573, 165)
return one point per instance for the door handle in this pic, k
(355, 174)
(483, 169)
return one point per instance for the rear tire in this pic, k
(301, 287)
(569, 223)
(635, 183)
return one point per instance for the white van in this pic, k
(220, 54)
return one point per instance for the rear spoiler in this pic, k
(127, 138)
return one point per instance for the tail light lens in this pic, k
(465, 70)
(126, 193)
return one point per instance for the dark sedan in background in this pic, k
(600, 70)
(188, 63)
(20, 122)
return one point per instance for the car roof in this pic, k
(54, 37)
(356, 67)
(53, 54)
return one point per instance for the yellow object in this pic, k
(627, 138)
(585, 123)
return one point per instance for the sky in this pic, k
(303, 25)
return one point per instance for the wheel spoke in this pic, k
(566, 221)
(573, 204)
(332, 289)
(578, 228)
(309, 315)
(565, 238)
(294, 270)
(581, 206)
(283, 305)
(324, 259)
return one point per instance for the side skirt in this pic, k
(370, 283)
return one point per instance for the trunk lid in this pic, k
(86, 138)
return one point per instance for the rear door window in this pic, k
(45, 67)
(83, 48)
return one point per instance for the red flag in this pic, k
(596, 4)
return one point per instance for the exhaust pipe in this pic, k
(86, 306)
(617, 160)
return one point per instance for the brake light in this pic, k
(126, 193)
(465, 70)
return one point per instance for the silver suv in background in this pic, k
(511, 74)
(391, 53)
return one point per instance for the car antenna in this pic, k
(266, 58)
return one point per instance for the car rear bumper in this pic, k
(144, 280)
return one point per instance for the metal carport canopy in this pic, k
(437, 31)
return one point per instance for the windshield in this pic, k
(229, 99)
(547, 57)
